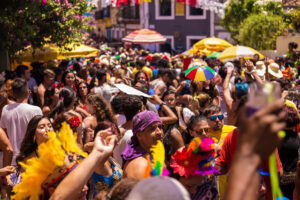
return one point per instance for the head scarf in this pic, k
(140, 122)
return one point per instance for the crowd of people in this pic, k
(69, 132)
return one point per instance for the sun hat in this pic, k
(274, 70)
(229, 64)
(260, 68)
(158, 188)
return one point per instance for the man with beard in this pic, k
(147, 129)
(218, 131)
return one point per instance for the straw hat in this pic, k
(260, 68)
(274, 70)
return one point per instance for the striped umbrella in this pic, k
(197, 73)
(236, 52)
(144, 36)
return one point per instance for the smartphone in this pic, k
(261, 95)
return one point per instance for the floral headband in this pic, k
(74, 122)
(196, 160)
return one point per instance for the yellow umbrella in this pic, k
(236, 52)
(212, 44)
(51, 51)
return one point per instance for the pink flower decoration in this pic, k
(20, 11)
(44, 2)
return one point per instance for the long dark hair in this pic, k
(50, 91)
(78, 92)
(65, 74)
(146, 75)
(29, 144)
(66, 97)
(167, 141)
(193, 120)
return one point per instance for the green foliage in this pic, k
(236, 21)
(39, 22)
(235, 13)
(295, 22)
(261, 30)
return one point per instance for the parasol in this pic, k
(196, 73)
(144, 36)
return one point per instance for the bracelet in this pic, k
(162, 104)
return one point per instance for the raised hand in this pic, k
(105, 142)
(7, 170)
(259, 133)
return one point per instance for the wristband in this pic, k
(162, 104)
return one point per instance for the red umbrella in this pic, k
(144, 36)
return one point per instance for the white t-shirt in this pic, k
(105, 91)
(15, 118)
(121, 146)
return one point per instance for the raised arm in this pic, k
(170, 117)
(227, 96)
(258, 138)
(75, 181)
(250, 67)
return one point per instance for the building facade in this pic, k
(180, 23)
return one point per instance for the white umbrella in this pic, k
(235, 52)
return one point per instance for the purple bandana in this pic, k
(140, 122)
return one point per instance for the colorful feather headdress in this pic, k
(196, 160)
(57, 157)
(156, 167)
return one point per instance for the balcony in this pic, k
(130, 14)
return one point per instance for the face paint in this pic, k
(42, 131)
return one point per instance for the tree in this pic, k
(236, 21)
(295, 22)
(235, 13)
(39, 22)
(261, 30)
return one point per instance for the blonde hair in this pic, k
(200, 101)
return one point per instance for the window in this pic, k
(169, 45)
(194, 13)
(131, 12)
(164, 10)
(192, 39)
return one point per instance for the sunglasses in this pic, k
(201, 131)
(214, 117)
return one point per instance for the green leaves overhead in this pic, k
(37, 22)
(257, 23)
